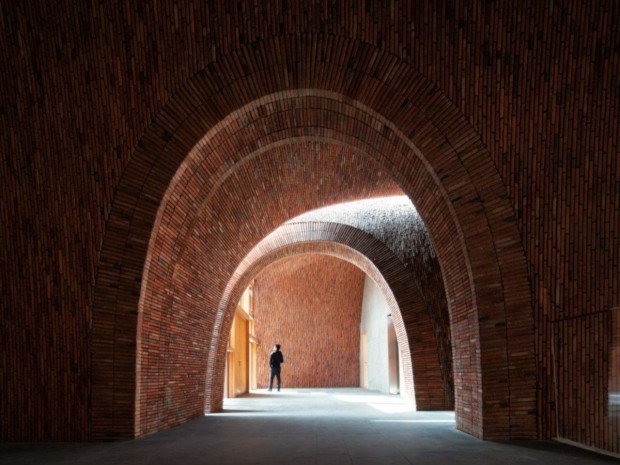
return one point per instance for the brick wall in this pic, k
(311, 305)
(581, 364)
(510, 110)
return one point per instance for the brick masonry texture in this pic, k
(146, 149)
(311, 305)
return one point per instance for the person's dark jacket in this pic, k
(275, 359)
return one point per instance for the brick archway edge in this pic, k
(413, 131)
(396, 282)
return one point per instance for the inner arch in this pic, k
(344, 242)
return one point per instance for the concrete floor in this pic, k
(303, 427)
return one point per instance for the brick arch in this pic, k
(206, 259)
(427, 390)
(398, 119)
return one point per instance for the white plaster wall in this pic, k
(374, 322)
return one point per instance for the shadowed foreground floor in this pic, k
(308, 427)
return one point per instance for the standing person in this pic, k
(275, 359)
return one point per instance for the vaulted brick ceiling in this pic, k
(139, 138)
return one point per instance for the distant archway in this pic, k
(396, 282)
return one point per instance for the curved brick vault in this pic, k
(231, 157)
(423, 384)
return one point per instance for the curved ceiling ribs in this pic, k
(300, 149)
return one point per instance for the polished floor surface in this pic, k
(308, 427)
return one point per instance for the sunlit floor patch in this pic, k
(382, 403)
(414, 421)
(343, 402)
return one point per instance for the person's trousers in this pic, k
(275, 373)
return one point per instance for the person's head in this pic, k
(277, 347)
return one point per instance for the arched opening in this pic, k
(345, 148)
(329, 245)
(397, 277)
(317, 305)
